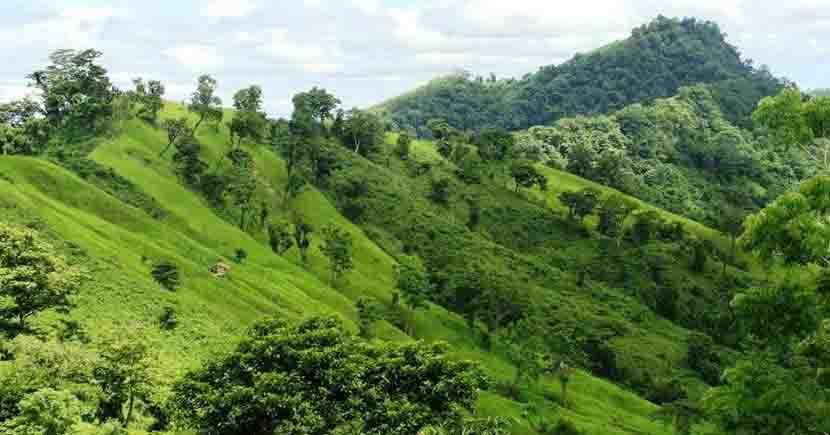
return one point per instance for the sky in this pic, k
(365, 51)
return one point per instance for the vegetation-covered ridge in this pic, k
(654, 62)
(197, 269)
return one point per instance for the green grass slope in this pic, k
(118, 244)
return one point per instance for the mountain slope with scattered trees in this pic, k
(654, 62)
(192, 268)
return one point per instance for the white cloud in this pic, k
(229, 8)
(369, 50)
(194, 56)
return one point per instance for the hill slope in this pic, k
(654, 62)
(118, 243)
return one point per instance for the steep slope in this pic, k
(118, 243)
(655, 61)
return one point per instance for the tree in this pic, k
(494, 144)
(581, 203)
(612, 211)
(166, 274)
(315, 378)
(792, 228)
(444, 148)
(318, 104)
(279, 237)
(702, 358)
(176, 129)
(302, 236)
(440, 191)
(204, 102)
(527, 353)
(76, 91)
(242, 182)
(525, 175)
(123, 372)
(645, 226)
(249, 121)
(337, 247)
(413, 284)
(368, 312)
(439, 129)
(402, 146)
(187, 161)
(149, 96)
(363, 131)
(33, 276)
(46, 411)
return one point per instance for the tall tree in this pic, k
(414, 285)
(204, 102)
(363, 131)
(337, 247)
(75, 89)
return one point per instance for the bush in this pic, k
(565, 427)
(167, 319)
(166, 274)
(240, 255)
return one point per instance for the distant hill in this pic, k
(655, 61)
(821, 92)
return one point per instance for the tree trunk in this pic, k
(21, 321)
(198, 123)
(164, 151)
(129, 410)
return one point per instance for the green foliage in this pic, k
(403, 144)
(166, 274)
(168, 319)
(33, 276)
(124, 374)
(792, 228)
(46, 411)
(368, 312)
(187, 161)
(176, 130)
(494, 143)
(363, 131)
(580, 204)
(302, 236)
(613, 211)
(441, 191)
(280, 237)
(671, 52)
(77, 94)
(337, 247)
(702, 358)
(204, 102)
(313, 378)
(249, 121)
(149, 96)
(240, 255)
(525, 175)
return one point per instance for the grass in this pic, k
(119, 243)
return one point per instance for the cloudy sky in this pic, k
(368, 50)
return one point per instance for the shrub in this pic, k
(167, 319)
(240, 255)
(166, 274)
(565, 427)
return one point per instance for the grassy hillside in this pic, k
(118, 243)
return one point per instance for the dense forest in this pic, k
(655, 62)
(194, 267)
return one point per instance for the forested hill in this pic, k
(655, 61)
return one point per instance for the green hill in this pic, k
(117, 243)
(654, 62)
